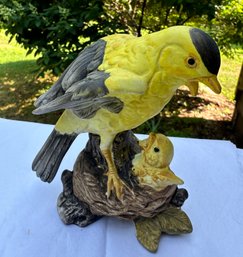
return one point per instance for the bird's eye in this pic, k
(156, 149)
(191, 62)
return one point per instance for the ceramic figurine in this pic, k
(151, 166)
(113, 86)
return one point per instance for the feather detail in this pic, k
(47, 161)
(87, 61)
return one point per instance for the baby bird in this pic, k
(151, 166)
(119, 82)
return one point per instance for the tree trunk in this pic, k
(238, 113)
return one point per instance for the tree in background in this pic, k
(154, 15)
(223, 19)
(227, 26)
(57, 29)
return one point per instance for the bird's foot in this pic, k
(114, 184)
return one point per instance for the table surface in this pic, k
(30, 226)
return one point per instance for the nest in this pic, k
(89, 182)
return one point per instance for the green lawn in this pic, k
(19, 85)
(14, 63)
(229, 73)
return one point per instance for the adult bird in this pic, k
(119, 82)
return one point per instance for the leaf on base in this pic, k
(148, 233)
(172, 221)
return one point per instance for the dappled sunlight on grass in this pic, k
(206, 115)
(19, 85)
(19, 88)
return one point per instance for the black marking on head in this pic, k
(207, 48)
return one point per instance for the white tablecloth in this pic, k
(30, 226)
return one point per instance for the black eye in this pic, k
(156, 149)
(191, 62)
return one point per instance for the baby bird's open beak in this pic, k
(147, 143)
(212, 82)
(143, 144)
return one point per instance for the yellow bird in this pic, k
(151, 166)
(119, 82)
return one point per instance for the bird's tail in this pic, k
(47, 161)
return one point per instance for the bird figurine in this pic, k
(119, 82)
(153, 201)
(151, 166)
(142, 165)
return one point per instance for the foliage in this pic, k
(227, 25)
(154, 15)
(55, 30)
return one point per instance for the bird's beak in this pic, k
(143, 143)
(147, 143)
(212, 83)
(193, 87)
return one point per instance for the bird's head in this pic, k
(152, 166)
(189, 56)
(158, 150)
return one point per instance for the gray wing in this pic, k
(85, 97)
(87, 61)
(81, 88)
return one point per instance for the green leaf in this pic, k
(148, 233)
(171, 221)
(174, 221)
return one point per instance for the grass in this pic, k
(19, 85)
(11, 52)
(229, 73)
(19, 88)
